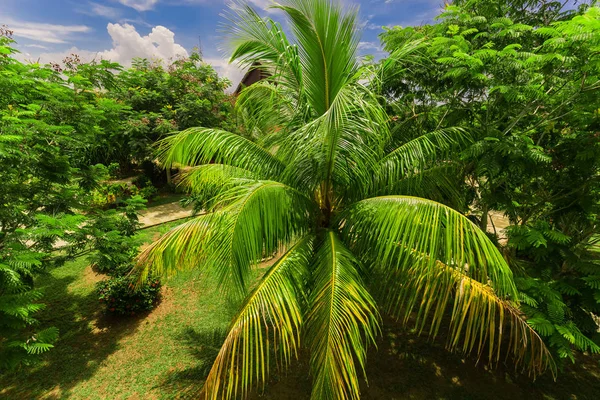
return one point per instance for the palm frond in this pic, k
(196, 146)
(209, 181)
(399, 61)
(182, 248)
(390, 229)
(266, 108)
(327, 43)
(419, 153)
(253, 220)
(270, 318)
(478, 318)
(262, 43)
(440, 183)
(342, 321)
(340, 148)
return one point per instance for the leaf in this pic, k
(269, 318)
(478, 317)
(196, 146)
(342, 321)
(389, 229)
(257, 219)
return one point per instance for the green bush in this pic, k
(142, 181)
(114, 253)
(113, 240)
(121, 297)
(114, 169)
(148, 192)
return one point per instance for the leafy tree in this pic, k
(327, 190)
(58, 122)
(39, 190)
(158, 99)
(522, 78)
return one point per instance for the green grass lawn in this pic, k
(100, 357)
(167, 353)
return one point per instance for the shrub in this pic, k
(114, 169)
(142, 181)
(114, 253)
(149, 192)
(121, 297)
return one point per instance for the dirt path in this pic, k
(164, 213)
(497, 223)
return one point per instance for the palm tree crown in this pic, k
(317, 180)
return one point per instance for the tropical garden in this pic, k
(424, 225)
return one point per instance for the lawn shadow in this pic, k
(405, 365)
(87, 338)
(204, 346)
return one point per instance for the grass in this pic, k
(165, 198)
(167, 353)
(101, 357)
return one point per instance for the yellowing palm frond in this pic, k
(477, 320)
(390, 229)
(270, 319)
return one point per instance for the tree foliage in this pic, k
(59, 123)
(523, 78)
(316, 181)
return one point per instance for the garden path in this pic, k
(163, 213)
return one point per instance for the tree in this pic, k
(522, 77)
(325, 190)
(159, 99)
(39, 188)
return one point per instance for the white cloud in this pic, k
(48, 33)
(226, 70)
(95, 9)
(366, 46)
(36, 46)
(139, 5)
(127, 44)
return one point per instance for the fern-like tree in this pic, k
(317, 181)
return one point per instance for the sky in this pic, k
(119, 30)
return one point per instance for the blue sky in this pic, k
(48, 30)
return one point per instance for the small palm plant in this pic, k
(317, 182)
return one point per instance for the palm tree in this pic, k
(317, 182)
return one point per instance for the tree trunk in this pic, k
(484, 219)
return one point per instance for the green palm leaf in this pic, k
(391, 229)
(258, 218)
(196, 146)
(342, 320)
(269, 319)
(262, 43)
(416, 154)
(209, 181)
(440, 183)
(327, 43)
